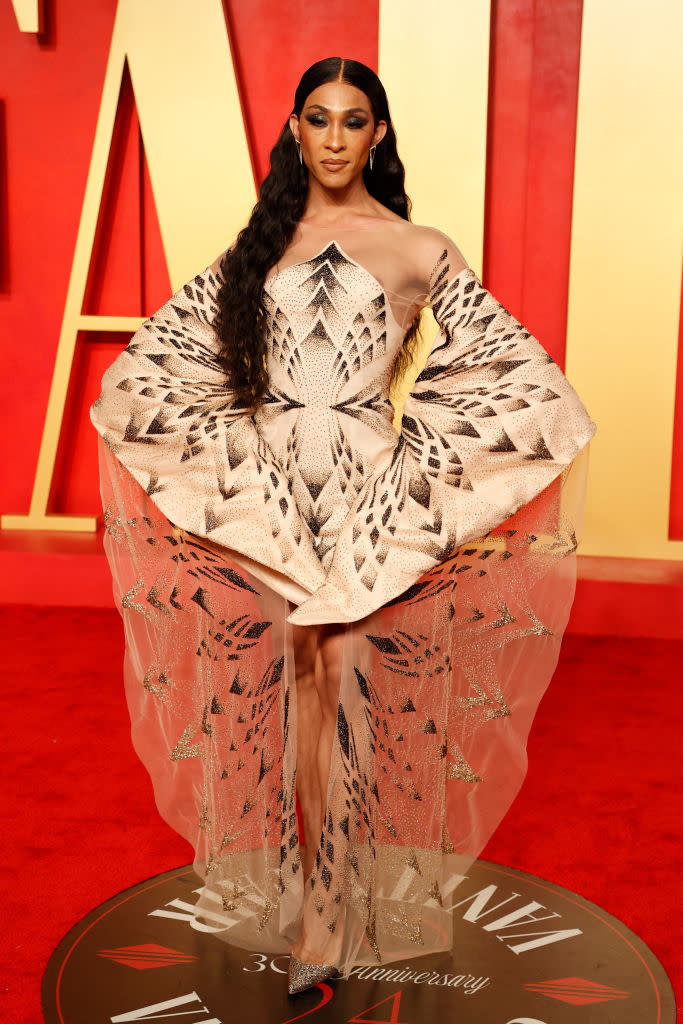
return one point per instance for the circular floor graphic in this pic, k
(526, 952)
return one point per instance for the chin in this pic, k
(336, 177)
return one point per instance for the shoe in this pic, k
(303, 976)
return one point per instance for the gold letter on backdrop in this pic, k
(438, 96)
(29, 15)
(194, 139)
(438, 91)
(625, 274)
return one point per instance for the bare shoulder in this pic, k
(431, 244)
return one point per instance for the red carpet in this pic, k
(600, 812)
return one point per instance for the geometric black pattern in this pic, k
(491, 421)
(316, 487)
(219, 521)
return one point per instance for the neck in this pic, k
(331, 206)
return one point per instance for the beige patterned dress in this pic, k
(448, 550)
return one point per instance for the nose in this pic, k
(335, 138)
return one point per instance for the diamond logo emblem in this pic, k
(578, 991)
(146, 956)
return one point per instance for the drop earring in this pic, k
(372, 155)
(298, 147)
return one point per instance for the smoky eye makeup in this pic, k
(317, 120)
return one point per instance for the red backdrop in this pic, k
(52, 90)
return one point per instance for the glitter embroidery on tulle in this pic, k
(448, 553)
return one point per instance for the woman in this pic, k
(313, 604)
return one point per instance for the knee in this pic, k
(329, 668)
(331, 673)
(304, 644)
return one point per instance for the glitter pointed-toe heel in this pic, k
(303, 976)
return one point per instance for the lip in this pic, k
(334, 165)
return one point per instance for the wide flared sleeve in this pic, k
(170, 419)
(490, 423)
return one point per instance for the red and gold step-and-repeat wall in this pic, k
(543, 135)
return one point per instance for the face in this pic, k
(336, 129)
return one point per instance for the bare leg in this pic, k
(309, 719)
(327, 680)
(315, 941)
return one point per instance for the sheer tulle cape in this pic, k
(438, 691)
(451, 568)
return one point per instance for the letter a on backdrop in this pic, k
(193, 133)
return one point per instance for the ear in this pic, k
(294, 127)
(380, 132)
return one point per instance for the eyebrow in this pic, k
(349, 110)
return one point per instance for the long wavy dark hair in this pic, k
(241, 319)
